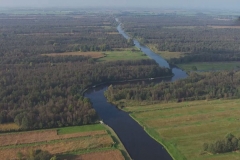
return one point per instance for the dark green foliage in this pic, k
(194, 68)
(189, 34)
(42, 155)
(197, 86)
(44, 95)
(206, 57)
(228, 144)
(42, 92)
(36, 155)
(38, 34)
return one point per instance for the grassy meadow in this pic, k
(82, 142)
(165, 54)
(184, 127)
(208, 66)
(9, 127)
(123, 54)
(76, 129)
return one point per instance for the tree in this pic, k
(25, 123)
(194, 68)
(43, 155)
(205, 147)
(235, 142)
(130, 42)
(54, 158)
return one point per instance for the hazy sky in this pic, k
(229, 4)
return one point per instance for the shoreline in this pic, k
(174, 157)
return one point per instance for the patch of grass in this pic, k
(123, 55)
(184, 127)
(169, 55)
(76, 129)
(9, 127)
(112, 33)
(166, 54)
(208, 66)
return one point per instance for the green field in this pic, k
(123, 55)
(208, 66)
(184, 127)
(85, 128)
(165, 54)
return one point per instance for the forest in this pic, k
(210, 85)
(203, 38)
(43, 92)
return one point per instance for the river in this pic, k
(137, 142)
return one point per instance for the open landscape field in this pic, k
(123, 54)
(79, 139)
(184, 127)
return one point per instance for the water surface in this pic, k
(138, 143)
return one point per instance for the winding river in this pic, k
(137, 142)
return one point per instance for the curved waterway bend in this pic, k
(138, 143)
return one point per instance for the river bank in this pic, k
(138, 143)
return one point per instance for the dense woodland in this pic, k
(38, 34)
(210, 85)
(42, 92)
(189, 34)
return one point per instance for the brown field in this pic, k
(76, 142)
(91, 54)
(8, 127)
(61, 146)
(108, 155)
(107, 23)
(41, 136)
(223, 27)
(112, 33)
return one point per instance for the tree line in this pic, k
(206, 57)
(228, 144)
(202, 86)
